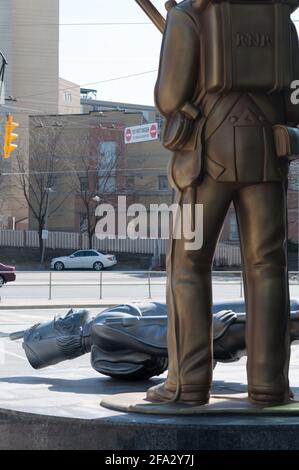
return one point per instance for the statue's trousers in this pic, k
(262, 221)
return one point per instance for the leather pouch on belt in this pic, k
(177, 131)
(186, 163)
(286, 141)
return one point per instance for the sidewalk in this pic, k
(18, 304)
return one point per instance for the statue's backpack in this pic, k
(247, 45)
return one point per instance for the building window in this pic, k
(163, 183)
(107, 184)
(129, 183)
(83, 183)
(67, 96)
(233, 227)
(107, 155)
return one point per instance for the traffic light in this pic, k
(9, 137)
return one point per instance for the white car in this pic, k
(84, 259)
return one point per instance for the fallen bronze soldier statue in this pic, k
(128, 341)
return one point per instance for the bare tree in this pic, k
(93, 180)
(35, 177)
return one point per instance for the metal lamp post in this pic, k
(49, 191)
(97, 199)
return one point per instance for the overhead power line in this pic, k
(110, 23)
(108, 80)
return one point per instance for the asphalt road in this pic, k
(73, 388)
(83, 285)
(109, 285)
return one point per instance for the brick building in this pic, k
(90, 147)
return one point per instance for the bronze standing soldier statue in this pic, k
(224, 89)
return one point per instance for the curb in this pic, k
(66, 304)
(49, 307)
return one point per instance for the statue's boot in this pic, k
(161, 393)
(267, 400)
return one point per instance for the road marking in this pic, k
(2, 353)
(15, 355)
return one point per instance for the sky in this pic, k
(90, 54)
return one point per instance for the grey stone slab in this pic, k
(156, 437)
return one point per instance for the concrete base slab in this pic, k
(220, 404)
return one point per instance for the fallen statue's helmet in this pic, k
(49, 343)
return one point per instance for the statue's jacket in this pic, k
(232, 137)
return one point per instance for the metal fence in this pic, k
(226, 255)
(120, 285)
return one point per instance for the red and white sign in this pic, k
(142, 133)
(128, 135)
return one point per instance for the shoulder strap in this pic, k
(282, 37)
(263, 102)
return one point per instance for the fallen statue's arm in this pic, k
(129, 341)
